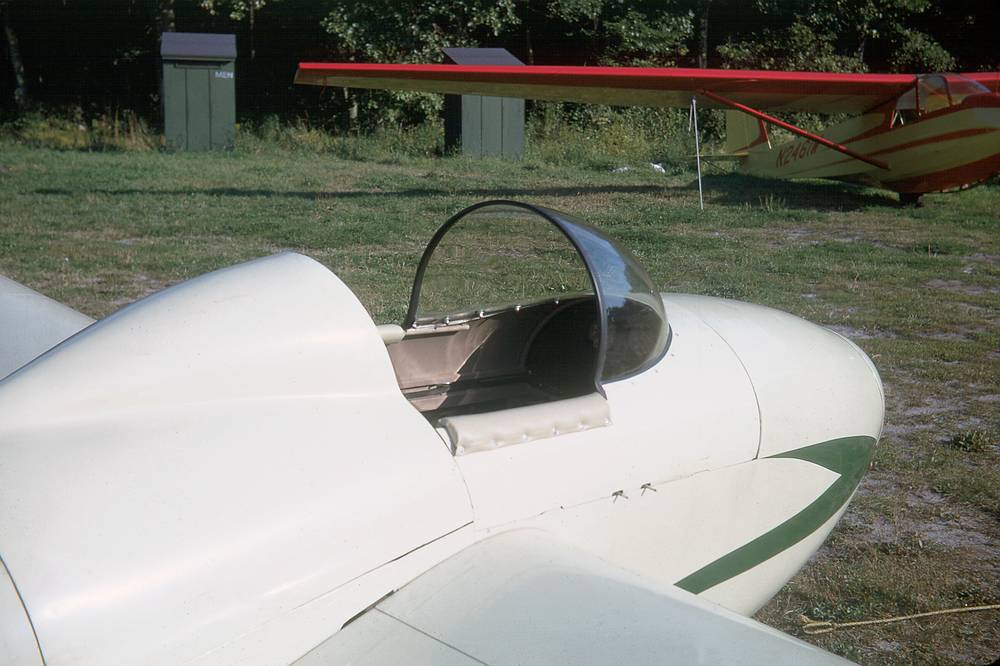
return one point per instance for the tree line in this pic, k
(98, 55)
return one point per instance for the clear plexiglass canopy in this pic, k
(931, 92)
(501, 255)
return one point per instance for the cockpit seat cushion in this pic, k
(472, 433)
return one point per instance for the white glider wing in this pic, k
(524, 598)
(31, 324)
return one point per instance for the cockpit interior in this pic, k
(516, 305)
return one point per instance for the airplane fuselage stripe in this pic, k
(849, 457)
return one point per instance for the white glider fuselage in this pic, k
(228, 472)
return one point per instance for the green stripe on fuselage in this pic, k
(848, 456)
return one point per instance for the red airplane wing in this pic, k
(623, 86)
(989, 79)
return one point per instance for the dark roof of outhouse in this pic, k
(197, 45)
(489, 56)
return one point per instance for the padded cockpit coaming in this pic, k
(513, 358)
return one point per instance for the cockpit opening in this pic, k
(516, 305)
(932, 92)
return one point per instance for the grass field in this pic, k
(918, 289)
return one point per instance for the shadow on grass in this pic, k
(771, 193)
(420, 192)
(727, 189)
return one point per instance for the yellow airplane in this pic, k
(912, 134)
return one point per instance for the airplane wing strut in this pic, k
(792, 128)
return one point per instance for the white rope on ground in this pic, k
(814, 627)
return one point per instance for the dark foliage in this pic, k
(100, 56)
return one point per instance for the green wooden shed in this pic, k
(199, 90)
(483, 126)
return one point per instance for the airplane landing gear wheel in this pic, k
(911, 199)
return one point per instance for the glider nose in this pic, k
(812, 384)
(855, 352)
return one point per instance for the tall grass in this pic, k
(381, 145)
(598, 138)
(603, 138)
(74, 130)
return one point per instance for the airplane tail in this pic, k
(744, 132)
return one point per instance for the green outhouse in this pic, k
(199, 90)
(484, 126)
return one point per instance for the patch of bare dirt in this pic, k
(950, 531)
(900, 429)
(141, 285)
(959, 287)
(860, 333)
(979, 256)
(950, 336)
(933, 406)
(797, 233)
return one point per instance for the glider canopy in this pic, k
(499, 256)
(931, 92)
